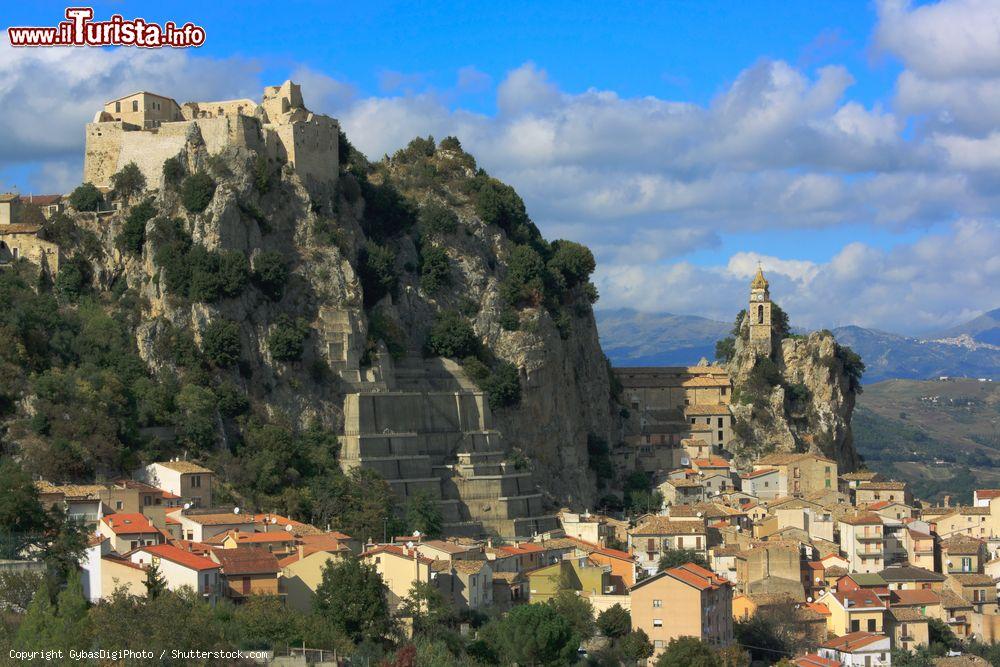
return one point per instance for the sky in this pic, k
(850, 148)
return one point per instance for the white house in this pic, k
(188, 480)
(858, 649)
(181, 568)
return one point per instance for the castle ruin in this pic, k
(148, 129)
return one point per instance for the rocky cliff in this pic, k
(798, 398)
(343, 287)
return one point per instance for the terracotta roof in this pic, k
(128, 524)
(986, 494)
(706, 409)
(445, 546)
(961, 545)
(118, 560)
(710, 462)
(818, 607)
(860, 599)
(20, 229)
(9, 197)
(907, 615)
(950, 600)
(972, 579)
(661, 525)
(860, 476)
(508, 577)
(184, 467)
(249, 560)
(181, 557)
(468, 566)
(71, 490)
(683, 483)
(813, 660)
(910, 573)
(397, 551)
(784, 458)
(852, 641)
(217, 518)
(864, 519)
(44, 200)
(758, 473)
(917, 598)
(696, 576)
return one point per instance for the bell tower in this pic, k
(759, 313)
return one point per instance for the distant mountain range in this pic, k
(632, 338)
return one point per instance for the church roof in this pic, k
(759, 281)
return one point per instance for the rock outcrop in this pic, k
(798, 398)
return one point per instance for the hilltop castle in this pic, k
(147, 129)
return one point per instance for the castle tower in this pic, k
(759, 313)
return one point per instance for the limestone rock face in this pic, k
(805, 407)
(321, 233)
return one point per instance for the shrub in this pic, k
(385, 329)
(435, 271)
(377, 270)
(231, 400)
(173, 171)
(450, 143)
(498, 204)
(197, 191)
(86, 198)
(128, 182)
(451, 336)
(132, 238)
(573, 261)
(73, 279)
(387, 212)
(221, 342)
(509, 319)
(725, 349)
(205, 282)
(261, 174)
(234, 272)
(436, 218)
(525, 281)
(853, 366)
(287, 341)
(503, 387)
(270, 273)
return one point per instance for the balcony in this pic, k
(862, 537)
(869, 553)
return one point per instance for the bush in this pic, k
(509, 319)
(387, 212)
(234, 272)
(73, 279)
(503, 387)
(270, 273)
(197, 191)
(853, 366)
(451, 336)
(382, 328)
(498, 204)
(525, 281)
(436, 218)
(573, 261)
(86, 198)
(261, 174)
(450, 143)
(377, 270)
(128, 182)
(173, 171)
(132, 238)
(287, 341)
(435, 271)
(221, 342)
(725, 349)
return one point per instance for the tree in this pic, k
(128, 182)
(287, 341)
(503, 386)
(573, 261)
(173, 171)
(86, 197)
(427, 606)
(636, 646)
(197, 191)
(221, 342)
(675, 557)
(377, 271)
(451, 336)
(535, 634)
(17, 589)
(22, 517)
(435, 271)
(155, 583)
(424, 514)
(360, 503)
(66, 543)
(614, 622)
(766, 639)
(350, 596)
(577, 610)
(270, 273)
(234, 272)
(725, 349)
(73, 279)
(688, 652)
(132, 238)
(437, 219)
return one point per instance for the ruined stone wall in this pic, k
(28, 246)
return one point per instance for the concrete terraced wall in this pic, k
(416, 412)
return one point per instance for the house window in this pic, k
(134, 544)
(855, 625)
(135, 105)
(871, 625)
(196, 481)
(657, 623)
(828, 483)
(118, 504)
(659, 643)
(147, 500)
(657, 604)
(720, 422)
(118, 107)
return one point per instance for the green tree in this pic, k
(221, 342)
(261, 174)
(65, 545)
(675, 557)
(351, 597)
(430, 610)
(524, 284)
(270, 273)
(377, 271)
(435, 270)
(287, 341)
(725, 349)
(535, 634)
(155, 583)
(86, 197)
(636, 646)
(359, 503)
(22, 517)
(234, 272)
(128, 182)
(573, 261)
(614, 622)
(197, 191)
(132, 238)
(688, 652)
(437, 219)
(577, 610)
(173, 171)
(765, 639)
(503, 386)
(424, 514)
(451, 335)
(73, 279)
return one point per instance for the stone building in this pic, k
(20, 240)
(759, 313)
(147, 129)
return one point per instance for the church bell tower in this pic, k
(759, 313)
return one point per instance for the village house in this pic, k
(400, 568)
(977, 589)
(977, 522)
(682, 491)
(128, 531)
(858, 649)
(800, 474)
(466, 584)
(20, 237)
(302, 573)
(247, 571)
(181, 568)
(190, 481)
(198, 525)
(868, 493)
(771, 567)
(509, 589)
(655, 535)
(764, 483)
(919, 548)
(908, 628)
(911, 577)
(685, 601)
(862, 542)
(850, 481)
(851, 611)
(962, 554)
(582, 575)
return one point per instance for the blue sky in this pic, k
(843, 145)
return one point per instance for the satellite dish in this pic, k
(187, 506)
(409, 545)
(809, 599)
(818, 579)
(700, 515)
(236, 510)
(288, 528)
(274, 521)
(416, 533)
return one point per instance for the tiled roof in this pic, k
(696, 576)
(863, 519)
(986, 494)
(882, 486)
(907, 615)
(778, 458)
(181, 557)
(961, 545)
(711, 462)
(860, 476)
(184, 467)
(758, 473)
(706, 409)
(217, 518)
(852, 641)
(397, 551)
(128, 524)
(972, 579)
(247, 560)
(661, 525)
(813, 660)
(860, 599)
(950, 600)
(916, 598)
(910, 573)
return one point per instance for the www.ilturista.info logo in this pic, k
(80, 30)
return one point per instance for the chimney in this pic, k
(947, 500)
